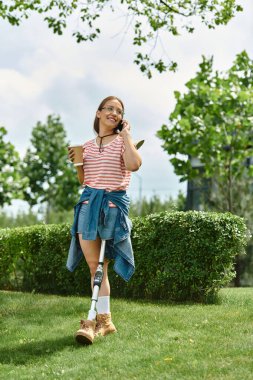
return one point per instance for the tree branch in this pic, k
(171, 9)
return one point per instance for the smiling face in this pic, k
(110, 114)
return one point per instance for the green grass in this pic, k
(155, 340)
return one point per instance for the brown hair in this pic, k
(96, 121)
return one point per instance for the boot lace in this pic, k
(85, 324)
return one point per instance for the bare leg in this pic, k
(91, 251)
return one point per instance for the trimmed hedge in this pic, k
(180, 256)
(34, 259)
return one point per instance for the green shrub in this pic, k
(179, 256)
(34, 259)
(185, 255)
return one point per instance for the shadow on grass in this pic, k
(166, 303)
(30, 352)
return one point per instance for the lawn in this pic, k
(155, 340)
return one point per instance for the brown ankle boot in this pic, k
(104, 325)
(86, 333)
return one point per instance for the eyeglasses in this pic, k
(109, 109)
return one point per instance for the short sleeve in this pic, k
(86, 147)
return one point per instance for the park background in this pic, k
(42, 73)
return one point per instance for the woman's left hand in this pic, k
(126, 128)
(131, 156)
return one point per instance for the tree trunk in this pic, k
(47, 216)
(230, 201)
(238, 261)
(238, 271)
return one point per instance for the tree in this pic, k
(52, 179)
(213, 122)
(10, 181)
(147, 19)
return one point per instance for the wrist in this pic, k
(127, 136)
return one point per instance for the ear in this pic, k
(98, 114)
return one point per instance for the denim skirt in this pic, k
(105, 232)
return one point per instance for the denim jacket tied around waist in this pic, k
(119, 248)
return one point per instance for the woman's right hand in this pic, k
(71, 154)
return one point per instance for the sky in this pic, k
(42, 73)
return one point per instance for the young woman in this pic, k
(102, 211)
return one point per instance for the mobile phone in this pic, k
(119, 127)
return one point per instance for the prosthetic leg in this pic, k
(86, 333)
(98, 278)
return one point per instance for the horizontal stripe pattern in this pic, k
(106, 169)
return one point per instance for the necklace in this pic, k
(101, 139)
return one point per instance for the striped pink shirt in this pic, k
(105, 170)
